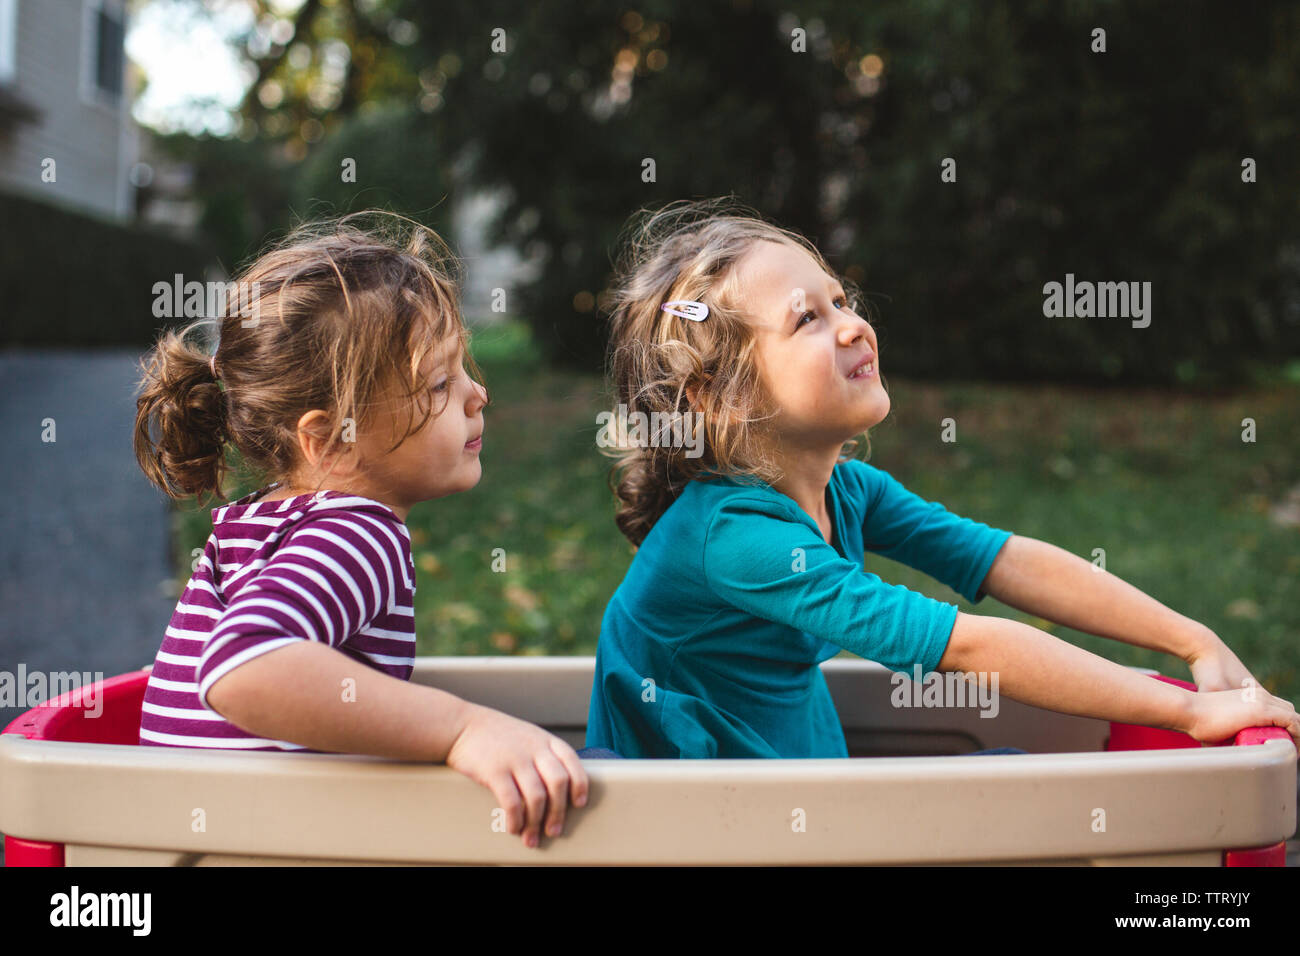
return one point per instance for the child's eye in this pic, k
(442, 386)
(838, 303)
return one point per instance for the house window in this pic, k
(8, 39)
(110, 34)
(103, 52)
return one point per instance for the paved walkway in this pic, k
(84, 538)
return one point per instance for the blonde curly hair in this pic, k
(664, 365)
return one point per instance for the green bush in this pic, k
(73, 280)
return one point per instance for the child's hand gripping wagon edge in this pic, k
(1037, 668)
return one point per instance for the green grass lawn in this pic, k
(1161, 480)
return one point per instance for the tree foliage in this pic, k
(1123, 165)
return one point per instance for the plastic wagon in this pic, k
(76, 790)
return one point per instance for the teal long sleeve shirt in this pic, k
(710, 645)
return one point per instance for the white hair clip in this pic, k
(695, 311)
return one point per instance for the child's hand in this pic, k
(1214, 667)
(1216, 716)
(531, 772)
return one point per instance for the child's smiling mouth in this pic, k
(865, 367)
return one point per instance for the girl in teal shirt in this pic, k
(743, 375)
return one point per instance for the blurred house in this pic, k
(166, 200)
(487, 268)
(66, 133)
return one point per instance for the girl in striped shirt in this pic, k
(341, 374)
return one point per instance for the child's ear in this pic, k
(313, 436)
(692, 393)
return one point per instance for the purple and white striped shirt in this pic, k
(330, 567)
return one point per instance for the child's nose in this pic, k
(478, 395)
(854, 328)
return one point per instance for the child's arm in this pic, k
(1035, 577)
(1036, 668)
(760, 557)
(295, 693)
(1041, 579)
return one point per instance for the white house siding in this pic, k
(93, 141)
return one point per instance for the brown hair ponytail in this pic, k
(181, 394)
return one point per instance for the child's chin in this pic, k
(475, 475)
(873, 417)
(878, 411)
